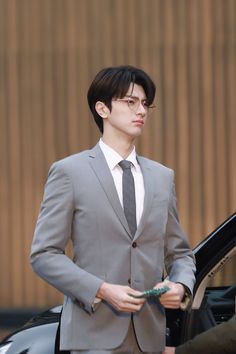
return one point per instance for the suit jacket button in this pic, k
(134, 244)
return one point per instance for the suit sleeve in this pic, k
(52, 233)
(217, 340)
(179, 259)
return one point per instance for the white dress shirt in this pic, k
(113, 159)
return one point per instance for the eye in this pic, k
(131, 101)
(145, 104)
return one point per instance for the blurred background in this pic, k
(50, 50)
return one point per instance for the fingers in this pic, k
(120, 297)
(172, 298)
(129, 304)
(173, 304)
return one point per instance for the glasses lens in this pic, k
(133, 104)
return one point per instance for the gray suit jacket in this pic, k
(81, 203)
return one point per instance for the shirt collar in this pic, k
(113, 158)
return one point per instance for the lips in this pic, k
(139, 121)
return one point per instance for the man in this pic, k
(124, 234)
(220, 339)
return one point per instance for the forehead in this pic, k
(136, 91)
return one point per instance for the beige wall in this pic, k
(49, 52)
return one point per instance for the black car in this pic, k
(211, 305)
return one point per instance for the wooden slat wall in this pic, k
(49, 52)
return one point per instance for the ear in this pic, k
(102, 109)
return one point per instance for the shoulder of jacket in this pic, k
(156, 165)
(72, 159)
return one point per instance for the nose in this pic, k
(141, 109)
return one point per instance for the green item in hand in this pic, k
(152, 292)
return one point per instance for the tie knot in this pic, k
(125, 164)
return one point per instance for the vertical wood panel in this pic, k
(219, 92)
(195, 176)
(14, 146)
(230, 70)
(49, 52)
(169, 84)
(181, 114)
(207, 107)
(4, 175)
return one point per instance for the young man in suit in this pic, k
(124, 234)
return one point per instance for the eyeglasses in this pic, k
(134, 104)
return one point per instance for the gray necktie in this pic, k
(129, 203)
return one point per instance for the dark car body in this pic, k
(210, 306)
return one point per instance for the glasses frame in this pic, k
(129, 99)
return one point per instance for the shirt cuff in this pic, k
(186, 299)
(96, 303)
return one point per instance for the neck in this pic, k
(123, 148)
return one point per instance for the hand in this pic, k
(173, 297)
(119, 297)
(169, 350)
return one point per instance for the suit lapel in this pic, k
(149, 192)
(101, 169)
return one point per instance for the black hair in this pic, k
(114, 82)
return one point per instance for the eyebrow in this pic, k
(132, 96)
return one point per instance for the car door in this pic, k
(215, 288)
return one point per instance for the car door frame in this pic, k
(211, 255)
